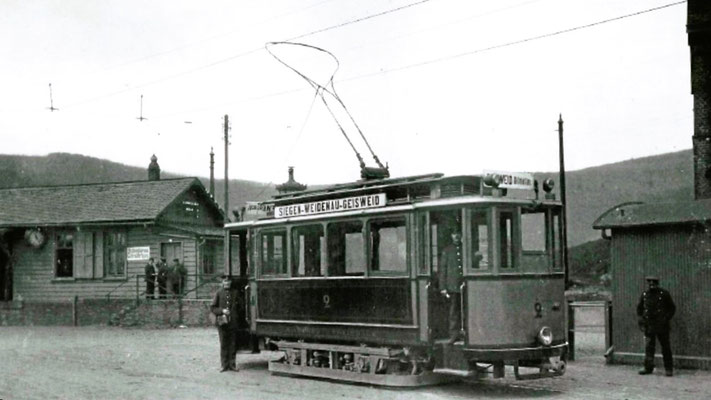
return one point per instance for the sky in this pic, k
(449, 86)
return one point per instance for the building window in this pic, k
(114, 254)
(190, 209)
(64, 255)
(388, 245)
(208, 257)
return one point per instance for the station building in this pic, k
(94, 240)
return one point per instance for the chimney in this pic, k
(154, 169)
(212, 173)
(698, 28)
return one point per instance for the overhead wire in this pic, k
(451, 57)
(246, 53)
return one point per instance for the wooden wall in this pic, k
(681, 257)
(34, 277)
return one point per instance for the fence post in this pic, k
(571, 332)
(75, 315)
(608, 331)
(137, 291)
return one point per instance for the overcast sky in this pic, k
(448, 86)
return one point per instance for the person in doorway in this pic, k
(450, 281)
(162, 278)
(176, 276)
(225, 307)
(655, 309)
(150, 274)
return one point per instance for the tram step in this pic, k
(455, 372)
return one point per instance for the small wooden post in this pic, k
(137, 291)
(608, 329)
(571, 332)
(75, 315)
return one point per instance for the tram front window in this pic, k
(346, 253)
(506, 239)
(533, 241)
(388, 245)
(306, 250)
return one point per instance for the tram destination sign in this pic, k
(512, 180)
(331, 205)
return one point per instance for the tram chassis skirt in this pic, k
(424, 379)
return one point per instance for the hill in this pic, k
(590, 192)
(66, 169)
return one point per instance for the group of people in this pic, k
(168, 279)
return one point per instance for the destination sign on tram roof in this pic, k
(331, 205)
(512, 180)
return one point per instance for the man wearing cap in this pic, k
(655, 310)
(450, 280)
(225, 307)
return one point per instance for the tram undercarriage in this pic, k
(407, 366)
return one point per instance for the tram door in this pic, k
(237, 265)
(442, 225)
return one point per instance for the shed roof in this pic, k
(118, 202)
(638, 214)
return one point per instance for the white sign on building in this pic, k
(141, 253)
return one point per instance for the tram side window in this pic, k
(388, 245)
(306, 250)
(480, 240)
(346, 252)
(533, 241)
(506, 234)
(274, 252)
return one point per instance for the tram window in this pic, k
(480, 240)
(533, 232)
(306, 250)
(506, 233)
(388, 245)
(533, 241)
(346, 253)
(274, 252)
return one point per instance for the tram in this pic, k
(344, 279)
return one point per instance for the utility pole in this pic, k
(227, 179)
(564, 216)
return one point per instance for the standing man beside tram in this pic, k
(225, 307)
(450, 281)
(655, 309)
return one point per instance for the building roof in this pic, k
(637, 214)
(119, 202)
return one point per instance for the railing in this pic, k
(108, 295)
(587, 323)
(198, 282)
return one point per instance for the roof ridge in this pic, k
(97, 183)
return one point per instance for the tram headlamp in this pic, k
(545, 336)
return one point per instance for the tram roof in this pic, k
(362, 186)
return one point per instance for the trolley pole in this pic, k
(562, 198)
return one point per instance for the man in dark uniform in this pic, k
(655, 310)
(225, 306)
(150, 273)
(450, 280)
(162, 278)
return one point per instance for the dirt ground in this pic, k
(116, 363)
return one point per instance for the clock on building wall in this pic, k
(35, 237)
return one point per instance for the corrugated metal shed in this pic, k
(672, 241)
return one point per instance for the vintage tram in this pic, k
(344, 279)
